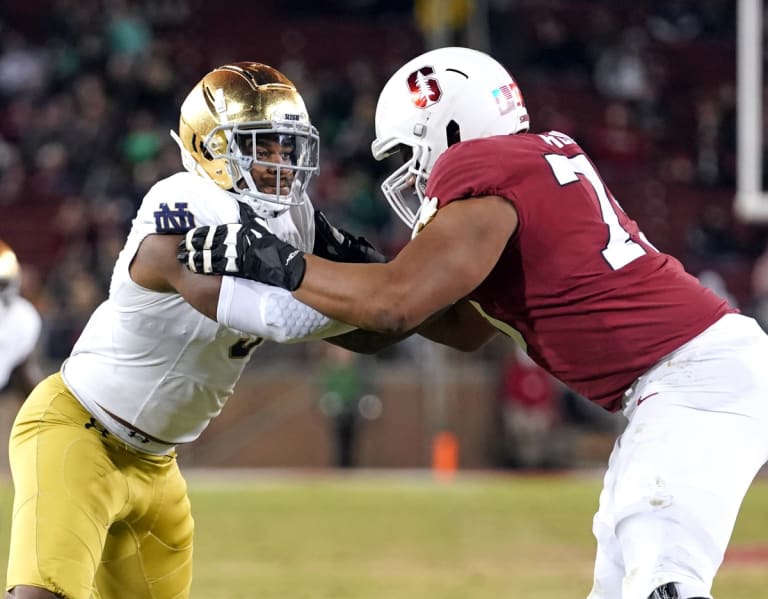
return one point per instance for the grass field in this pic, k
(408, 537)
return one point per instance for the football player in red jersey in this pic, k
(517, 233)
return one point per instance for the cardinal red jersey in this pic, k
(596, 304)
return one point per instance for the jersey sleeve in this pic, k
(179, 203)
(471, 169)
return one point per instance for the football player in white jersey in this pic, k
(100, 507)
(20, 327)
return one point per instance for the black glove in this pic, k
(338, 245)
(248, 250)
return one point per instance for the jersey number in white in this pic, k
(620, 249)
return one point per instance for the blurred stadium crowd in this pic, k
(90, 88)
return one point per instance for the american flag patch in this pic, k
(508, 97)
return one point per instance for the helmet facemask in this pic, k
(284, 154)
(405, 187)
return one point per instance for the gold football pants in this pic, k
(93, 517)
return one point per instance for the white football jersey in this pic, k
(150, 358)
(20, 326)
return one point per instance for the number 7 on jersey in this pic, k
(621, 249)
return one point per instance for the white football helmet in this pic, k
(226, 120)
(435, 100)
(10, 275)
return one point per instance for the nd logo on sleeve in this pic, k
(174, 220)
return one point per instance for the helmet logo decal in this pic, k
(219, 102)
(424, 87)
(508, 97)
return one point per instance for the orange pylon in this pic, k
(445, 455)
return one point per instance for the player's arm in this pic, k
(442, 265)
(247, 306)
(153, 268)
(461, 326)
(366, 342)
(339, 245)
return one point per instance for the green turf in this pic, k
(407, 537)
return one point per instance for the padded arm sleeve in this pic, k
(272, 313)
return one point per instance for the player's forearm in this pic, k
(272, 313)
(368, 296)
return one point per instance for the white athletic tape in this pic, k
(209, 238)
(207, 266)
(231, 238)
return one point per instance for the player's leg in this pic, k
(66, 492)
(666, 555)
(688, 457)
(677, 501)
(609, 563)
(148, 553)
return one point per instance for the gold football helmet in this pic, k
(10, 273)
(228, 118)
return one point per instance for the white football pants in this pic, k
(697, 435)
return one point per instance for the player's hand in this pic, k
(249, 251)
(340, 246)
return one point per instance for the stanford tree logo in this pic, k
(424, 87)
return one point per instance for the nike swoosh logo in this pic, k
(642, 399)
(291, 256)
